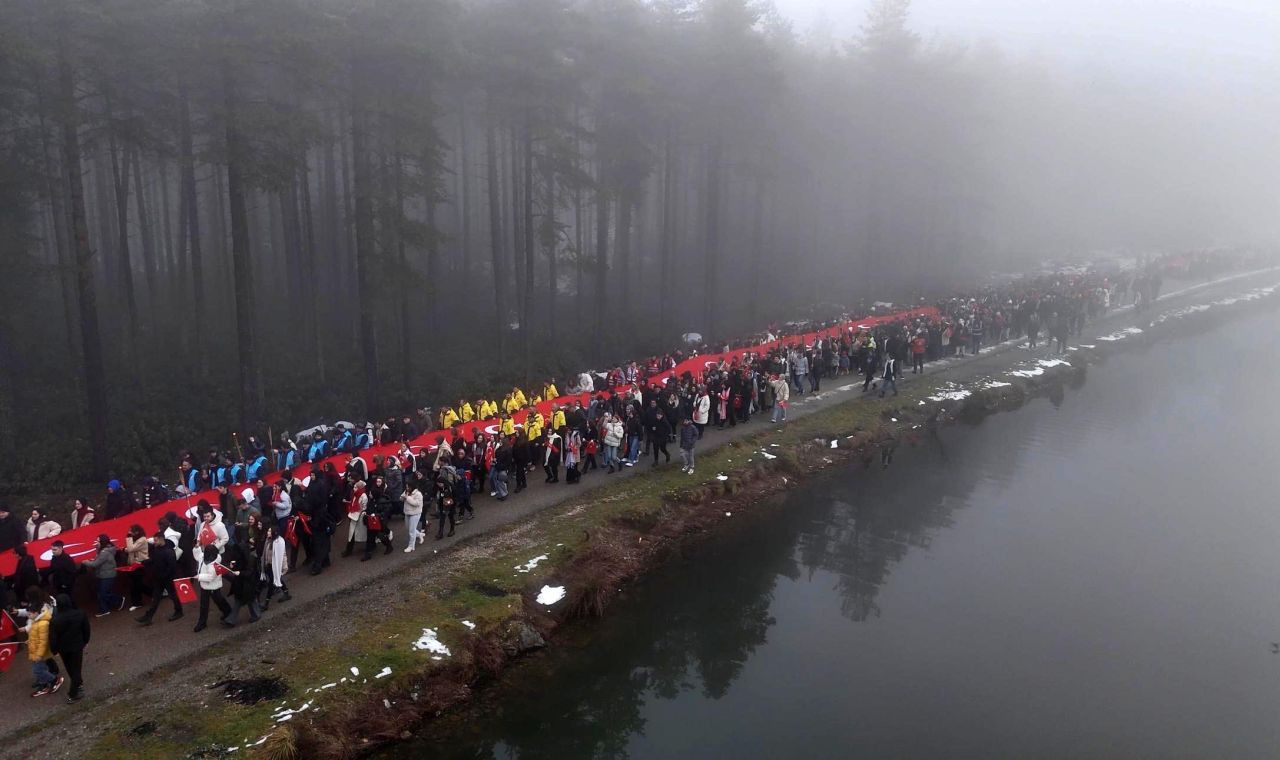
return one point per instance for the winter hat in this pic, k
(114, 485)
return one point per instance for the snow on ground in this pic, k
(531, 564)
(429, 641)
(549, 595)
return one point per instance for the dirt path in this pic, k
(326, 606)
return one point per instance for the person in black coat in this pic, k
(659, 430)
(316, 501)
(162, 563)
(26, 576)
(246, 572)
(61, 573)
(13, 533)
(68, 636)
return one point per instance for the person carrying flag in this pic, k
(162, 561)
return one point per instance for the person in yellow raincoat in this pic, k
(448, 418)
(508, 425)
(518, 396)
(533, 424)
(465, 412)
(557, 417)
(549, 391)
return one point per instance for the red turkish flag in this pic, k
(7, 627)
(7, 653)
(186, 588)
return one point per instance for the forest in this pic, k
(254, 215)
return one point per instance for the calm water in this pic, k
(1092, 576)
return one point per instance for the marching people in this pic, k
(162, 562)
(688, 437)
(103, 567)
(68, 636)
(241, 560)
(274, 566)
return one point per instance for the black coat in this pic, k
(245, 585)
(162, 562)
(25, 576)
(69, 628)
(12, 533)
(61, 571)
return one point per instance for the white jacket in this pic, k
(413, 503)
(613, 433)
(701, 409)
(207, 576)
(273, 559)
(46, 529)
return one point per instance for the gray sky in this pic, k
(1233, 43)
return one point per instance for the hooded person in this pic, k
(357, 506)
(246, 571)
(68, 636)
(39, 653)
(103, 567)
(12, 531)
(119, 501)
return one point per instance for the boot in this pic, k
(351, 545)
(145, 620)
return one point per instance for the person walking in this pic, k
(502, 462)
(103, 567)
(162, 561)
(413, 504)
(210, 583)
(889, 377)
(274, 567)
(688, 437)
(246, 573)
(68, 636)
(781, 397)
(659, 432)
(38, 652)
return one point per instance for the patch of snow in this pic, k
(1121, 335)
(951, 396)
(355, 671)
(469, 624)
(997, 384)
(383, 673)
(722, 476)
(835, 444)
(531, 564)
(429, 641)
(1048, 363)
(549, 595)
(767, 455)
(1025, 372)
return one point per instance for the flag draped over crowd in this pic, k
(81, 544)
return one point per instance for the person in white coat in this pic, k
(274, 566)
(701, 409)
(413, 504)
(612, 435)
(210, 583)
(781, 396)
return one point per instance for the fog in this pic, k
(253, 215)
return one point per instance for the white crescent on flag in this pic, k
(185, 589)
(71, 550)
(7, 651)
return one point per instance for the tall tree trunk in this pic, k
(464, 202)
(191, 207)
(711, 262)
(145, 230)
(495, 235)
(120, 176)
(550, 240)
(602, 262)
(757, 248)
(666, 236)
(55, 187)
(365, 243)
(95, 381)
(169, 254)
(517, 231)
(310, 258)
(526, 321)
(242, 271)
(622, 241)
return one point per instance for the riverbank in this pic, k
(479, 605)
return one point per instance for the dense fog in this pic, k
(252, 215)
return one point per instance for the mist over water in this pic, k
(1090, 576)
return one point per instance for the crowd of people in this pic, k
(237, 551)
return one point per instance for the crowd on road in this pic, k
(240, 551)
